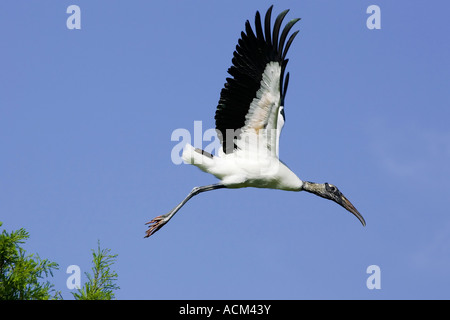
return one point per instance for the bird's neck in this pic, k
(287, 179)
(311, 187)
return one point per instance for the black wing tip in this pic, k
(273, 38)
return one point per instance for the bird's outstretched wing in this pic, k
(253, 98)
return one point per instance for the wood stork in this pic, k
(249, 119)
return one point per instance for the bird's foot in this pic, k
(156, 224)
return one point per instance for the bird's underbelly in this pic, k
(269, 183)
(256, 173)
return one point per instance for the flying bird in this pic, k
(249, 118)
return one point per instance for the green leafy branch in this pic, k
(22, 276)
(101, 283)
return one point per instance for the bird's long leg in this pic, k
(158, 222)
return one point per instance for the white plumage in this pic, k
(249, 119)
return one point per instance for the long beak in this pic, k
(343, 201)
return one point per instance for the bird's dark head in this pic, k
(331, 192)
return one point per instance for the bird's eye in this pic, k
(330, 187)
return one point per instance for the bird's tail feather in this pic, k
(197, 157)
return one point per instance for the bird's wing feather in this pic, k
(253, 98)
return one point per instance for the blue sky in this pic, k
(86, 118)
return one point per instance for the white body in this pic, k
(242, 169)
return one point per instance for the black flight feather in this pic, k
(276, 28)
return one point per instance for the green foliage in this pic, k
(21, 275)
(101, 282)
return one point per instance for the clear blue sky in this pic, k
(86, 118)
